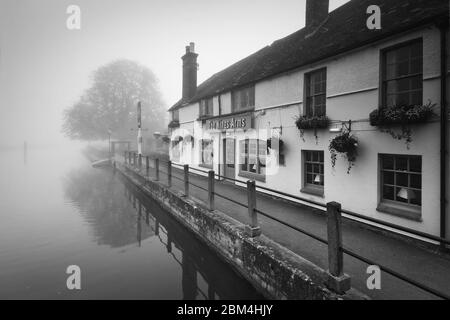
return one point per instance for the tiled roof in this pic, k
(344, 29)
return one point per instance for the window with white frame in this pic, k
(252, 158)
(313, 171)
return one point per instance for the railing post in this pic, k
(169, 173)
(186, 180)
(337, 280)
(252, 230)
(140, 161)
(157, 169)
(125, 157)
(134, 159)
(147, 165)
(129, 158)
(211, 190)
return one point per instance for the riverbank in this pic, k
(275, 271)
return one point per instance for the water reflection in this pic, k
(119, 216)
(98, 196)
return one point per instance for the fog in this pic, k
(44, 67)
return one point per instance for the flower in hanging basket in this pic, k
(403, 116)
(311, 122)
(346, 144)
(165, 139)
(189, 139)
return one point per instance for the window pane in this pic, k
(417, 200)
(416, 181)
(388, 193)
(401, 195)
(315, 156)
(415, 164)
(402, 179)
(388, 162)
(388, 177)
(401, 163)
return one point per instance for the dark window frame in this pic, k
(206, 107)
(400, 208)
(237, 105)
(308, 97)
(383, 95)
(308, 160)
(244, 151)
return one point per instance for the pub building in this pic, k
(242, 121)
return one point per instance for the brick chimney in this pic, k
(316, 12)
(189, 72)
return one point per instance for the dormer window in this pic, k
(206, 107)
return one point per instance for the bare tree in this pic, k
(110, 103)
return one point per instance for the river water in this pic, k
(57, 211)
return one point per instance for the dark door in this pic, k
(229, 157)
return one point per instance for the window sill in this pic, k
(313, 191)
(403, 211)
(253, 176)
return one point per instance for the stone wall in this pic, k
(273, 270)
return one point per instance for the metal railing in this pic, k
(337, 280)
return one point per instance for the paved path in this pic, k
(408, 259)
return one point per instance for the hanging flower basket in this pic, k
(404, 116)
(165, 139)
(280, 144)
(311, 122)
(345, 144)
(189, 139)
(174, 124)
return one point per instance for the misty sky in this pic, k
(44, 67)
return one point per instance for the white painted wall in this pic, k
(352, 91)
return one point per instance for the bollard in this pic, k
(147, 165)
(211, 190)
(140, 161)
(337, 280)
(169, 173)
(125, 157)
(252, 230)
(186, 180)
(157, 169)
(129, 158)
(134, 159)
